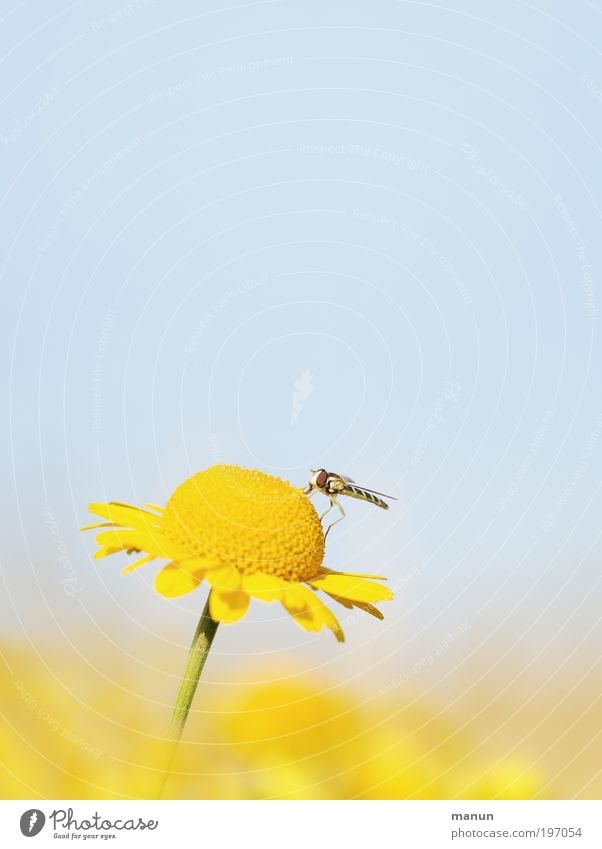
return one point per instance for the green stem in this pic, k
(197, 655)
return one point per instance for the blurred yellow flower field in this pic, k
(72, 733)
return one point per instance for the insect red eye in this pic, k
(321, 478)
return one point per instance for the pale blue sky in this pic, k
(401, 199)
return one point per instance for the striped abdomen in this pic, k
(364, 495)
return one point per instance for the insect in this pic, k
(333, 485)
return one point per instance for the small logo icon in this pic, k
(32, 822)
(302, 389)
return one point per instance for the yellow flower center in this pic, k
(228, 515)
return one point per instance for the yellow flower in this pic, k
(249, 535)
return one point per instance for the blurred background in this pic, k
(288, 236)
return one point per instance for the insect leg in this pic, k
(332, 503)
(332, 524)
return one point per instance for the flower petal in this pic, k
(105, 551)
(119, 538)
(309, 612)
(224, 578)
(352, 587)
(98, 525)
(362, 605)
(152, 542)
(264, 587)
(228, 605)
(137, 564)
(174, 581)
(125, 515)
(325, 571)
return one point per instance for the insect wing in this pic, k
(363, 494)
(366, 489)
(375, 492)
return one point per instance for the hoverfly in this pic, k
(333, 485)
